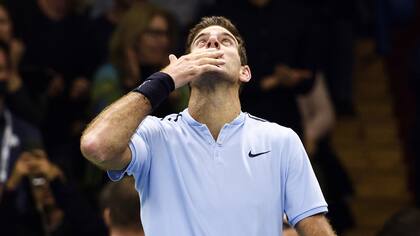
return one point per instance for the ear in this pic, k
(245, 74)
(107, 217)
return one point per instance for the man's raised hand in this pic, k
(191, 66)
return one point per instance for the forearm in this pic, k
(315, 226)
(106, 138)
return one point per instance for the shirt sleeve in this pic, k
(303, 195)
(140, 152)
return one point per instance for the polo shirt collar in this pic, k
(240, 119)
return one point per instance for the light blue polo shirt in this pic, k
(241, 184)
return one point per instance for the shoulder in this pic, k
(166, 122)
(266, 131)
(257, 124)
(153, 128)
(175, 117)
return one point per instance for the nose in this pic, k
(212, 42)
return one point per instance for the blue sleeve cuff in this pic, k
(314, 211)
(116, 175)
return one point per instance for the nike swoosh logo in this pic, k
(256, 154)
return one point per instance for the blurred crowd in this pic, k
(63, 61)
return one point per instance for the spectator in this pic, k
(39, 200)
(120, 206)
(404, 223)
(139, 46)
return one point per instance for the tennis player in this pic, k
(211, 170)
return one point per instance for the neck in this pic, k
(214, 107)
(125, 232)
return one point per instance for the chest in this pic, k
(237, 171)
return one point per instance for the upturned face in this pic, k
(218, 38)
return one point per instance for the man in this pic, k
(120, 204)
(212, 169)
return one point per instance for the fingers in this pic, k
(172, 58)
(211, 53)
(189, 67)
(210, 61)
(200, 58)
(208, 67)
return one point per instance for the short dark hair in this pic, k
(122, 200)
(222, 22)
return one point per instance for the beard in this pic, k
(210, 80)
